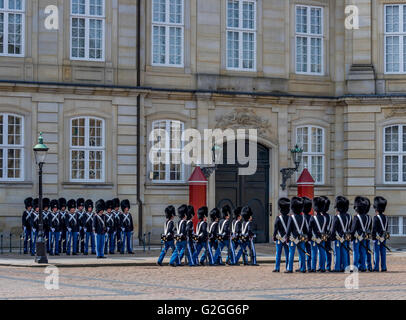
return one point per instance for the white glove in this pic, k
(85, 229)
(53, 229)
(70, 229)
(122, 229)
(33, 229)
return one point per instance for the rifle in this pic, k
(381, 241)
(369, 251)
(297, 241)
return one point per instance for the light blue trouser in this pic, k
(233, 248)
(308, 247)
(27, 236)
(221, 245)
(340, 256)
(72, 242)
(179, 251)
(253, 252)
(360, 255)
(292, 249)
(112, 241)
(90, 236)
(100, 239)
(328, 254)
(199, 247)
(127, 239)
(379, 254)
(167, 245)
(53, 240)
(119, 240)
(34, 236)
(318, 252)
(368, 255)
(210, 247)
(242, 252)
(279, 247)
(189, 252)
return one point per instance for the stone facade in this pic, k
(352, 101)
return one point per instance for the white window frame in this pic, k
(402, 230)
(399, 34)
(398, 153)
(88, 17)
(167, 25)
(6, 146)
(241, 30)
(87, 149)
(309, 36)
(6, 11)
(168, 152)
(311, 153)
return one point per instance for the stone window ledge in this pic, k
(16, 184)
(151, 185)
(391, 187)
(87, 185)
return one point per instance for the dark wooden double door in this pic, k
(253, 190)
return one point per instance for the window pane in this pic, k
(248, 15)
(404, 225)
(159, 10)
(14, 130)
(175, 166)
(248, 50)
(78, 132)
(301, 54)
(175, 45)
(392, 54)
(301, 19)
(95, 133)
(14, 163)
(233, 54)
(315, 55)
(95, 39)
(393, 225)
(78, 165)
(315, 20)
(158, 46)
(175, 135)
(317, 140)
(1, 129)
(233, 14)
(78, 38)
(95, 165)
(392, 18)
(1, 163)
(175, 11)
(96, 7)
(14, 33)
(78, 6)
(302, 138)
(1, 4)
(391, 168)
(317, 168)
(1, 32)
(15, 4)
(392, 139)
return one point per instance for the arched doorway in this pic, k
(252, 190)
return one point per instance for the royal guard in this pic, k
(368, 239)
(26, 224)
(87, 225)
(111, 227)
(180, 237)
(80, 203)
(380, 234)
(201, 238)
(72, 225)
(34, 224)
(359, 232)
(54, 223)
(168, 236)
(236, 227)
(329, 218)
(223, 235)
(296, 233)
(247, 238)
(307, 208)
(340, 229)
(280, 232)
(127, 227)
(62, 218)
(117, 222)
(45, 212)
(189, 235)
(100, 228)
(317, 225)
(213, 233)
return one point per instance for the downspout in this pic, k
(139, 201)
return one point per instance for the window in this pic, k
(12, 24)
(241, 35)
(395, 38)
(397, 226)
(166, 151)
(87, 30)
(309, 40)
(87, 150)
(167, 32)
(11, 147)
(311, 139)
(395, 154)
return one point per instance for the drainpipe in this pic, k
(139, 201)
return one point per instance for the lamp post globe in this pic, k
(40, 152)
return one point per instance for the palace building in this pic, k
(112, 71)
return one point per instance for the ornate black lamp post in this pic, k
(208, 171)
(40, 152)
(288, 172)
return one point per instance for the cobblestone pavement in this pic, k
(201, 283)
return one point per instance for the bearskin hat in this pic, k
(202, 212)
(35, 203)
(226, 211)
(45, 203)
(170, 212)
(307, 205)
(54, 204)
(326, 204)
(214, 214)
(237, 212)
(109, 204)
(296, 205)
(342, 204)
(100, 205)
(80, 202)
(28, 202)
(284, 206)
(362, 205)
(125, 204)
(116, 203)
(71, 204)
(380, 204)
(246, 213)
(88, 204)
(182, 211)
(62, 203)
(190, 212)
(318, 204)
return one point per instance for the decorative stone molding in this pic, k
(243, 118)
(398, 112)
